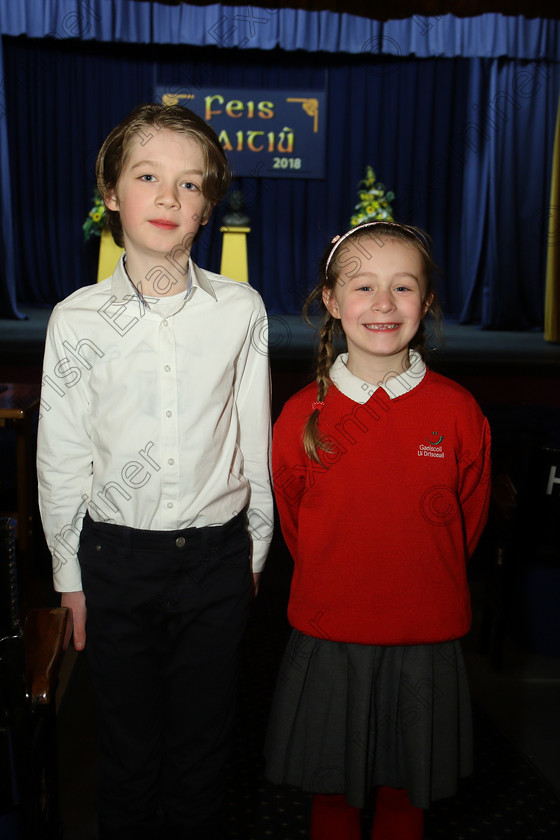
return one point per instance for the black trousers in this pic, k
(166, 614)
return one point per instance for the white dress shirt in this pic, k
(395, 384)
(155, 413)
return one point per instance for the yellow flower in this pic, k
(374, 200)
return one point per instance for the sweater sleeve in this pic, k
(475, 482)
(289, 474)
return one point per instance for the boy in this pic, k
(153, 454)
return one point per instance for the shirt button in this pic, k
(166, 323)
(180, 542)
(169, 504)
(167, 368)
(171, 461)
(168, 413)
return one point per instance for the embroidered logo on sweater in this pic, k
(434, 447)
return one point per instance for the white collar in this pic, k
(124, 289)
(395, 384)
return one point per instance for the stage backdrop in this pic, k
(266, 133)
(464, 142)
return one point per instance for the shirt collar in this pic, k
(395, 385)
(200, 279)
(124, 289)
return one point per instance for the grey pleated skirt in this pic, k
(346, 718)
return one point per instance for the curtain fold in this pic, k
(8, 264)
(487, 35)
(552, 294)
(508, 153)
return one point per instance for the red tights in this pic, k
(395, 817)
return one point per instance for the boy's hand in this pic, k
(76, 603)
(256, 578)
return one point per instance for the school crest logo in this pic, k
(433, 448)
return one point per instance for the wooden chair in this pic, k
(30, 656)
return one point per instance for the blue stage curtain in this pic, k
(464, 142)
(507, 167)
(63, 98)
(8, 303)
(464, 145)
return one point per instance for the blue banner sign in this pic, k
(265, 133)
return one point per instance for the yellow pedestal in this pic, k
(109, 255)
(234, 253)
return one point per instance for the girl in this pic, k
(381, 472)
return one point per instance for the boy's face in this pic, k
(159, 197)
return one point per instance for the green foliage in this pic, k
(96, 219)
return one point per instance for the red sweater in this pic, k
(381, 531)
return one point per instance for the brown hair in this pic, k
(330, 270)
(114, 152)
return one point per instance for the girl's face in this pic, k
(379, 299)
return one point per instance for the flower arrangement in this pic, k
(374, 204)
(96, 219)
